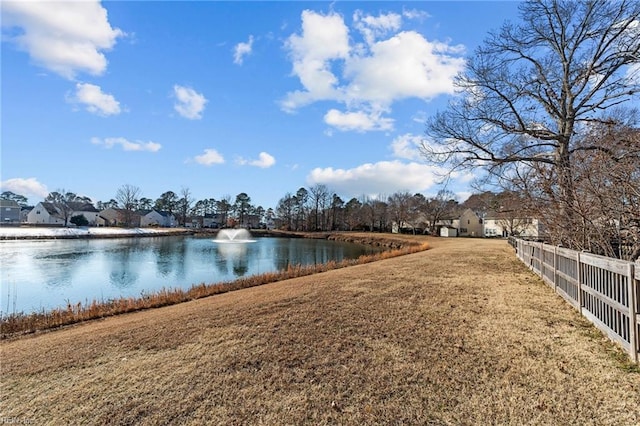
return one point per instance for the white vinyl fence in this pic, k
(605, 290)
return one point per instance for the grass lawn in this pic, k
(460, 334)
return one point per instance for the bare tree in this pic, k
(127, 197)
(399, 205)
(319, 198)
(184, 204)
(531, 91)
(380, 214)
(440, 207)
(608, 193)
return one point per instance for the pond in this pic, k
(46, 274)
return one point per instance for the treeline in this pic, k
(309, 209)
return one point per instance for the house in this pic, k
(169, 219)
(85, 209)
(45, 213)
(193, 222)
(9, 212)
(212, 220)
(118, 217)
(470, 224)
(493, 227)
(156, 218)
(504, 225)
(24, 213)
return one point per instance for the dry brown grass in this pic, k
(459, 334)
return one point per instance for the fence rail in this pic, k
(605, 290)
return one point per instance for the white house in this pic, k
(493, 227)
(45, 213)
(156, 218)
(85, 209)
(497, 225)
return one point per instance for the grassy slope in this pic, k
(459, 334)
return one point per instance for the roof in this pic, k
(9, 203)
(79, 206)
(51, 209)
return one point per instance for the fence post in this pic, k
(542, 265)
(555, 269)
(633, 311)
(579, 276)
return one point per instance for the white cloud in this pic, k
(28, 187)
(126, 144)
(64, 37)
(324, 38)
(264, 161)
(373, 27)
(359, 121)
(407, 146)
(385, 177)
(241, 50)
(95, 100)
(210, 157)
(190, 103)
(403, 66)
(389, 66)
(415, 14)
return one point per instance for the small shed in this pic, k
(448, 231)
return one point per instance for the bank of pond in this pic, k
(48, 283)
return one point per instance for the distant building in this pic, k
(45, 213)
(501, 225)
(117, 217)
(9, 212)
(448, 231)
(155, 217)
(470, 224)
(85, 209)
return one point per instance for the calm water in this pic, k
(40, 275)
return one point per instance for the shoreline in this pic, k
(22, 323)
(62, 233)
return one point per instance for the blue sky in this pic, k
(229, 97)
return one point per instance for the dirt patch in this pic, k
(459, 334)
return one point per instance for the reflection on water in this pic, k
(46, 274)
(123, 265)
(234, 255)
